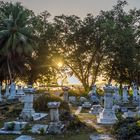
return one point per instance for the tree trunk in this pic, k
(9, 70)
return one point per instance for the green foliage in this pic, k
(75, 123)
(40, 104)
(11, 126)
(126, 129)
(27, 128)
(42, 131)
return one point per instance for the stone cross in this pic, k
(54, 112)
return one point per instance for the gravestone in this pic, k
(66, 95)
(96, 109)
(72, 99)
(82, 99)
(125, 95)
(129, 114)
(93, 95)
(20, 91)
(12, 91)
(135, 93)
(138, 112)
(7, 93)
(37, 127)
(25, 137)
(55, 126)
(86, 105)
(13, 127)
(107, 116)
(28, 112)
(54, 112)
(0, 93)
(117, 97)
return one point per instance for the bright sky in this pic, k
(77, 7)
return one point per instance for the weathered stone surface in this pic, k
(24, 137)
(38, 127)
(96, 109)
(54, 112)
(100, 137)
(12, 91)
(86, 105)
(107, 116)
(129, 114)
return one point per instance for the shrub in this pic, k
(42, 131)
(27, 128)
(11, 126)
(126, 129)
(75, 123)
(40, 104)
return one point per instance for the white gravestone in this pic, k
(93, 94)
(96, 109)
(135, 93)
(0, 93)
(28, 111)
(66, 95)
(20, 91)
(125, 95)
(12, 91)
(54, 112)
(117, 97)
(107, 116)
(7, 93)
(138, 112)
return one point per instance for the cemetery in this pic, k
(40, 58)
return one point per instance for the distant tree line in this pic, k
(107, 44)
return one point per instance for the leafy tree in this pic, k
(16, 38)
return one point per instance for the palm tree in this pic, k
(16, 36)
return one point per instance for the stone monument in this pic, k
(0, 93)
(117, 97)
(55, 125)
(125, 95)
(96, 109)
(135, 93)
(66, 95)
(93, 95)
(7, 93)
(20, 91)
(28, 111)
(54, 112)
(107, 116)
(12, 91)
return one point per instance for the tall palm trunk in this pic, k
(9, 70)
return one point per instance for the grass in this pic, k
(79, 136)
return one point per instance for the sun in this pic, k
(60, 64)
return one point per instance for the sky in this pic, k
(77, 7)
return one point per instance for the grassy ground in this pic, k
(80, 136)
(84, 116)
